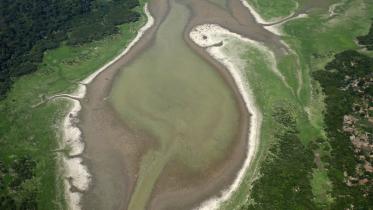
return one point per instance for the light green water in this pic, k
(178, 99)
(221, 3)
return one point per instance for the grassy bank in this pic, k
(271, 95)
(28, 130)
(270, 10)
(315, 40)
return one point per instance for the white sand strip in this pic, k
(277, 28)
(259, 19)
(220, 35)
(299, 68)
(77, 175)
(140, 33)
(208, 36)
(333, 7)
(72, 134)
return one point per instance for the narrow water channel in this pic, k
(178, 99)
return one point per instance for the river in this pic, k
(165, 127)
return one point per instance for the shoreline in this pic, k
(260, 20)
(77, 177)
(222, 176)
(274, 26)
(105, 80)
(211, 30)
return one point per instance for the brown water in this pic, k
(178, 99)
(177, 133)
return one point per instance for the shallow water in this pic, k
(221, 3)
(175, 104)
(179, 100)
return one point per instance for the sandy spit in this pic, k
(273, 26)
(77, 176)
(276, 28)
(210, 36)
(333, 7)
(258, 17)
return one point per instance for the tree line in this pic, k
(285, 174)
(347, 82)
(284, 179)
(18, 184)
(29, 28)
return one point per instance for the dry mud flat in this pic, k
(113, 150)
(238, 20)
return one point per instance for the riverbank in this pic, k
(200, 14)
(113, 150)
(78, 175)
(184, 199)
(210, 37)
(129, 145)
(30, 126)
(313, 39)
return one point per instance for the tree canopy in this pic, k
(347, 85)
(28, 28)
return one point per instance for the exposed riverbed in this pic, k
(165, 126)
(180, 101)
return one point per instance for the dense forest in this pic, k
(367, 40)
(284, 175)
(29, 28)
(284, 179)
(18, 186)
(347, 82)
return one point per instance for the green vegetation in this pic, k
(285, 174)
(315, 40)
(285, 127)
(288, 67)
(19, 184)
(321, 187)
(30, 131)
(347, 84)
(284, 180)
(29, 28)
(367, 40)
(270, 9)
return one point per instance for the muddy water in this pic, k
(221, 3)
(178, 130)
(178, 99)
